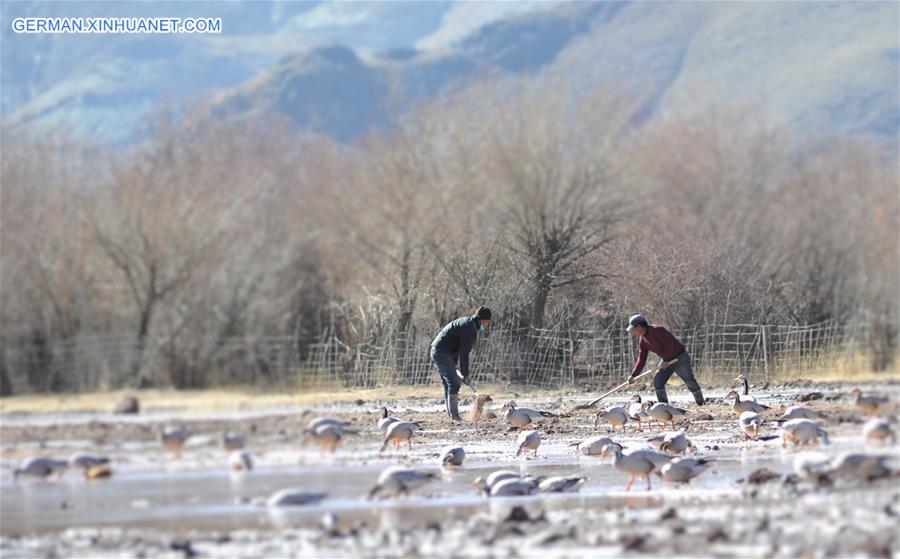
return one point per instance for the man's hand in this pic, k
(631, 378)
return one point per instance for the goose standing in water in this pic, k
(879, 430)
(485, 485)
(740, 406)
(42, 467)
(327, 435)
(508, 487)
(750, 423)
(683, 470)
(86, 461)
(671, 443)
(397, 432)
(616, 417)
(233, 440)
(398, 480)
(528, 440)
(174, 438)
(522, 417)
(663, 413)
(594, 445)
(240, 461)
(561, 484)
(869, 404)
(802, 431)
(636, 463)
(452, 456)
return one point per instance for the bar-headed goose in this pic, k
(528, 440)
(739, 406)
(398, 480)
(868, 403)
(802, 431)
(398, 432)
(452, 456)
(594, 445)
(683, 470)
(523, 417)
(663, 413)
(615, 416)
(636, 463)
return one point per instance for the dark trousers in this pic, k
(447, 369)
(684, 368)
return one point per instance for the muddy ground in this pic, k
(155, 505)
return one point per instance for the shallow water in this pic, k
(219, 499)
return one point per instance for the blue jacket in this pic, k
(457, 339)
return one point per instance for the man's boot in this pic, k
(453, 407)
(698, 397)
(661, 396)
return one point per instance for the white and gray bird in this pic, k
(616, 417)
(750, 422)
(868, 403)
(528, 440)
(522, 417)
(802, 431)
(812, 466)
(746, 384)
(174, 438)
(385, 420)
(41, 467)
(561, 484)
(671, 443)
(295, 498)
(233, 440)
(452, 456)
(879, 430)
(240, 460)
(663, 413)
(398, 480)
(739, 406)
(398, 432)
(637, 413)
(515, 487)
(327, 435)
(801, 412)
(859, 466)
(593, 445)
(317, 422)
(683, 470)
(636, 463)
(86, 461)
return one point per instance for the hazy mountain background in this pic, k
(341, 68)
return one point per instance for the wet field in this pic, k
(155, 504)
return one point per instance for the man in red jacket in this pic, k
(660, 341)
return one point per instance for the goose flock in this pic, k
(669, 455)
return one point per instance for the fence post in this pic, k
(765, 351)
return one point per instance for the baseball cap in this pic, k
(636, 320)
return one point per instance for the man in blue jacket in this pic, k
(452, 344)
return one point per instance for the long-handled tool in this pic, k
(624, 384)
(467, 381)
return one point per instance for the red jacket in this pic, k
(661, 342)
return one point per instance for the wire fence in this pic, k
(541, 358)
